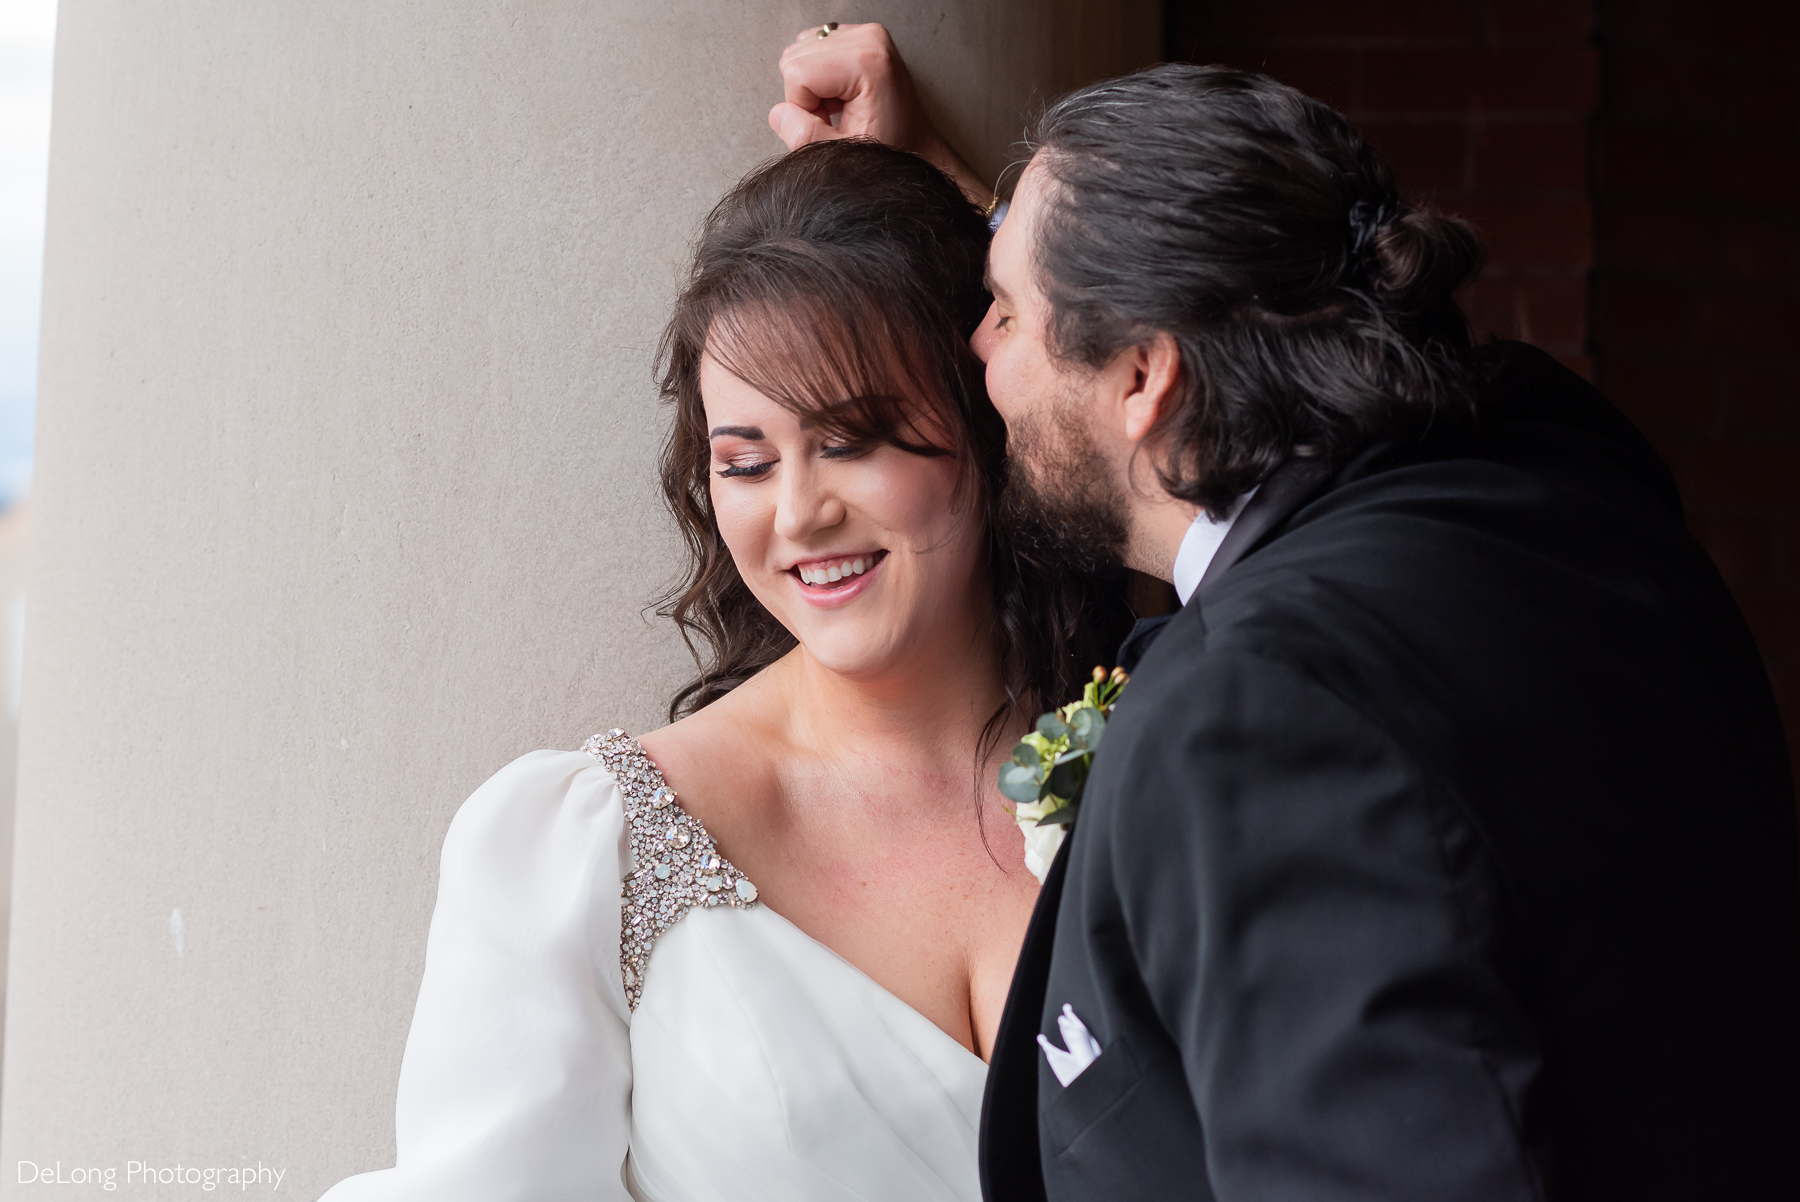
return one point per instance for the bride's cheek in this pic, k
(913, 496)
(745, 529)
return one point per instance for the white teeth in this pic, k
(837, 571)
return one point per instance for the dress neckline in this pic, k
(656, 821)
(883, 990)
(676, 866)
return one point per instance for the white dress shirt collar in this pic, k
(1200, 544)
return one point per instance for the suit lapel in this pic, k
(1145, 632)
(1010, 1168)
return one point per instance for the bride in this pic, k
(762, 952)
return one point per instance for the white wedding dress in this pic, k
(553, 1057)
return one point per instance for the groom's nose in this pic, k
(982, 340)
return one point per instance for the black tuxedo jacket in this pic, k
(1442, 847)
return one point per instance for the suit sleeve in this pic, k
(1313, 921)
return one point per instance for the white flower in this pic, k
(1041, 843)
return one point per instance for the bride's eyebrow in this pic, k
(753, 432)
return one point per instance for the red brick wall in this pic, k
(1697, 305)
(1484, 108)
(1635, 167)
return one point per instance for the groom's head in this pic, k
(1203, 273)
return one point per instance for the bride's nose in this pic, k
(804, 507)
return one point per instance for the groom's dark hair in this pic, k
(1312, 306)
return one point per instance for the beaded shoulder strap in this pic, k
(676, 866)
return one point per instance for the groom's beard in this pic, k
(1060, 506)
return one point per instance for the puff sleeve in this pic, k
(516, 1081)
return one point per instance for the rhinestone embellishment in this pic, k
(676, 865)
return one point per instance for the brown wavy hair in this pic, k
(843, 281)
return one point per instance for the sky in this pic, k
(27, 29)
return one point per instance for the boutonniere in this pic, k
(1048, 770)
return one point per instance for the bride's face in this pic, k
(856, 550)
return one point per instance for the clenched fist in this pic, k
(856, 73)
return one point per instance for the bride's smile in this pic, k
(834, 579)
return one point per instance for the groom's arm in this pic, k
(856, 72)
(1314, 922)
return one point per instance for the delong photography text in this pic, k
(140, 1173)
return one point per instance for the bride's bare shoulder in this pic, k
(723, 753)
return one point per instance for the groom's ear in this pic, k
(1156, 385)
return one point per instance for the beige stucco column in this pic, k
(345, 498)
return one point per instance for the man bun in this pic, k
(1423, 258)
(1313, 309)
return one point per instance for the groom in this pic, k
(1443, 845)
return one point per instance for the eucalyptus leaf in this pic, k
(1018, 783)
(1086, 725)
(1066, 779)
(1052, 769)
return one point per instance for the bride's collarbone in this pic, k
(913, 894)
(758, 792)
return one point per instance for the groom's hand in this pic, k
(856, 73)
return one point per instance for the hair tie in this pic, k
(1366, 219)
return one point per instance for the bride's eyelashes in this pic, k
(754, 469)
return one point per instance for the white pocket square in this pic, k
(1084, 1049)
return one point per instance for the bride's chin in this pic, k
(854, 656)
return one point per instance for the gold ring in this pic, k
(825, 29)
